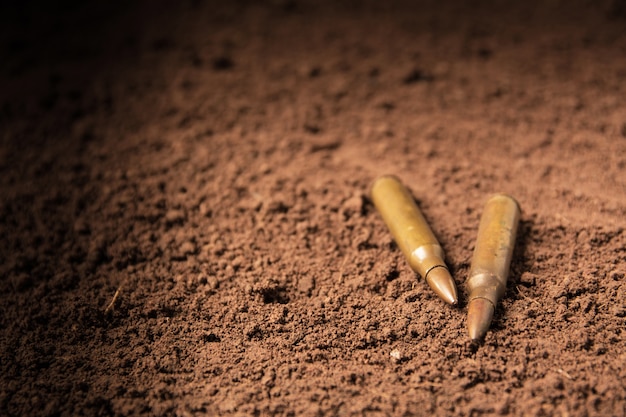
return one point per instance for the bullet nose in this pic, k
(479, 316)
(442, 283)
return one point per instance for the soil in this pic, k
(186, 227)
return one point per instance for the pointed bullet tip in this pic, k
(442, 283)
(479, 316)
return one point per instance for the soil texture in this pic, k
(186, 227)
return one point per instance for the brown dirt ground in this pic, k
(212, 162)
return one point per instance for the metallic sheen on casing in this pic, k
(413, 235)
(491, 261)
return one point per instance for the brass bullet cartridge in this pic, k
(412, 234)
(491, 261)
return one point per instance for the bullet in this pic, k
(491, 262)
(412, 234)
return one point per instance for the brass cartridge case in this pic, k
(413, 235)
(491, 261)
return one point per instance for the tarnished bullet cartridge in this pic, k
(412, 234)
(491, 261)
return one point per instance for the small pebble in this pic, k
(188, 248)
(205, 210)
(396, 355)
